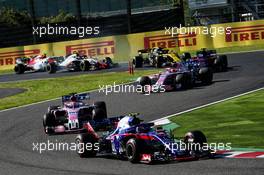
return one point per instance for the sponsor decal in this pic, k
(246, 33)
(92, 49)
(9, 58)
(167, 41)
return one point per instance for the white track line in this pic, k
(209, 104)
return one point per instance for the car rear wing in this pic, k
(79, 97)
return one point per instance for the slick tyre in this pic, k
(183, 81)
(144, 82)
(159, 61)
(82, 149)
(85, 65)
(100, 111)
(138, 61)
(133, 150)
(48, 123)
(51, 68)
(193, 139)
(224, 63)
(206, 75)
(19, 69)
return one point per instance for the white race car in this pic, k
(72, 62)
(37, 63)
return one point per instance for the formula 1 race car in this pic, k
(73, 114)
(157, 57)
(181, 76)
(39, 63)
(72, 62)
(141, 142)
(218, 63)
(75, 62)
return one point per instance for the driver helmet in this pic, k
(133, 121)
(73, 98)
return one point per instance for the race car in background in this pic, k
(162, 57)
(141, 142)
(181, 76)
(156, 57)
(39, 63)
(72, 62)
(73, 115)
(75, 62)
(218, 63)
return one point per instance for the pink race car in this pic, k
(177, 77)
(73, 115)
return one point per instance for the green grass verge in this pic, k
(39, 90)
(6, 71)
(239, 121)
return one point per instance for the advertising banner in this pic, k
(125, 47)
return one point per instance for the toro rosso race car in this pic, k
(72, 116)
(73, 62)
(181, 76)
(141, 142)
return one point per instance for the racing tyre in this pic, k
(206, 75)
(100, 111)
(183, 81)
(186, 56)
(138, 61)
(224, 62)
(51, 68)
(108, 61)
(48, 123)
(82, 149)
(19, 69)
(144, 81)
(133, 150)
(159, 61)
(85, 66)
(197, 140)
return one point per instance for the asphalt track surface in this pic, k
(5, 92)
(22, 126)
(30, 75)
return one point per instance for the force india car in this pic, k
(141, 142)
(73, 62)
(72, 116)
(181, 76)
(156, 57)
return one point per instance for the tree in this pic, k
(13, 17)
(61, 17)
